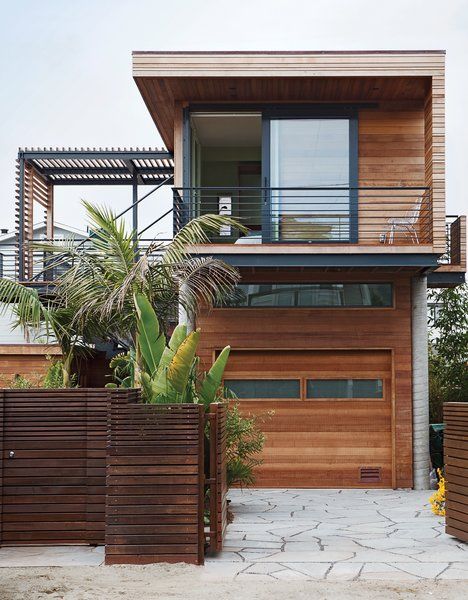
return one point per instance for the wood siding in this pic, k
(320, 443)
(28, 360)
(456, 468)
(328, 329)
(391, 154)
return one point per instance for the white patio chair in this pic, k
(406, 224)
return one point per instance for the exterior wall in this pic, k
(358, 329)
(391, 154)
(28, 360)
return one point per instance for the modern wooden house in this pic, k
(335, 161)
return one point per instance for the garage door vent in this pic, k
(370, 474)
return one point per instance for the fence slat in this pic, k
(456, 469)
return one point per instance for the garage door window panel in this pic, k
(344, 388)
(265, 389)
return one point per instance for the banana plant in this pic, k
(168, 372)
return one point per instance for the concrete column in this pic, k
(421, 460)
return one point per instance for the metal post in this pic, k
(135, 213)
(21, 219)
(135, 205)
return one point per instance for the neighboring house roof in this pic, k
(60, 231)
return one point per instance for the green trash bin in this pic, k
(436, 444)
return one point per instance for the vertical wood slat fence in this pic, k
(456, 468)
(90, 466)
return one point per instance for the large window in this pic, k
(344, 388)
(310, 179)
(312, 295)
(265, 388)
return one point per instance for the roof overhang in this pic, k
(166, 79)
(420, 262)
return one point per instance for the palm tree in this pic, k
(93, 297)
(106, 271)
(43, 314)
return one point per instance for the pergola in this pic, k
(39, 170)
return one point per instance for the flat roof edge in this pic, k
(280, 52)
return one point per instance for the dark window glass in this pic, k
(264, 388)
(344, 388)
(325, 295)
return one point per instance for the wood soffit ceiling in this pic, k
(165, 79)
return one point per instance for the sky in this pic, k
(65, 70)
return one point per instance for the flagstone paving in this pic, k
(341, 535)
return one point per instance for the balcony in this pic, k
(376, 216)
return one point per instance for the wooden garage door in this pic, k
(332, 421)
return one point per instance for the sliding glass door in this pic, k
(310, 173)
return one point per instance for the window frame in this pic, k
(391, 306)
(266, 377)
(308, 379)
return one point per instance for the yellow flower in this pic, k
(437, 499)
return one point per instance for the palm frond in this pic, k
(25, 303)
(204, 280)
(196, 232)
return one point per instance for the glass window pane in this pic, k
(264, 388)
(344, 388)
(309, 153)
(367, 388)
(351, 295)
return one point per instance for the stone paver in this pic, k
(339, 535)
(51, 556)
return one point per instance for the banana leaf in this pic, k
(149, 338)
(181, 364)
(178, 336)
(214, 377)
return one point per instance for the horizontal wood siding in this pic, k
(28, 360)
(54, 483)
(331, 330)
(320, 443)
(391, 154)
(154, 510)
(275, 64)
(456, 468)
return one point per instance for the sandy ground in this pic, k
(174, 582)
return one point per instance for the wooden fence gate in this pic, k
(456, 469)
(53, 448)
(97, 466)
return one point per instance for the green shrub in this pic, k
(20, 383)
(245, 441)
